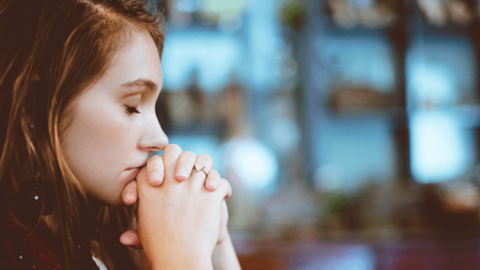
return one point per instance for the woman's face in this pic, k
(112, 126)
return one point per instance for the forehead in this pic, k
(136, 58)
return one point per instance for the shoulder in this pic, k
(22, 248)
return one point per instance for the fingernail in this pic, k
(154, 177)
(156, 182)
(214, 183)
(182, 172)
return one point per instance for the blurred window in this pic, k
(441, 85)
(358, 60)
(354, 151)
(212, 55)
(441, 72)
(441, 148)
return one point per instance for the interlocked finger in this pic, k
(204, 163)
(171, 153)
(224, 189)
(185, 165)
(155, 170)
(198, 178)
(213, 180)
(129, 193)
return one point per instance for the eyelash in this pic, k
(131, 110)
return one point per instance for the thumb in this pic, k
(130, 238)
(129, 193)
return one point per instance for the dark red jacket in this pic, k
(23, 249)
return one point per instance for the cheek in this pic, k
(107, 134)
(97, 146)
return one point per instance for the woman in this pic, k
(78, 88)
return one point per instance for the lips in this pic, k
(130, 174)
(137, 167)
(132, 169)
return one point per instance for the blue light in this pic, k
(254, 164)
(433, 84)
(440, 148)
(344, 258)
(440, 72)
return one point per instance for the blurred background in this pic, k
(349, 129)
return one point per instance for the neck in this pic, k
(87, 211)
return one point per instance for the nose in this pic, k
(153, 139)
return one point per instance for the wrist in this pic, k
(224, 256)
(180, 260)
(223, 244)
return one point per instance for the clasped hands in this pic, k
(182, 214)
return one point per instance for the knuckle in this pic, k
(225, 182)
(189, 155)
(204, 158)
(173, 148)
(224, 189)
(155, 166)
(221, 184)
(214, 173)
(154, 159)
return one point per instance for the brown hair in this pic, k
(51, 50)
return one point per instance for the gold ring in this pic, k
(201, 170)
(206, 174)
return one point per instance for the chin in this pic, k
(118, 202)
(108, 201)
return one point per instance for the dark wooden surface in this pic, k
(421, 254)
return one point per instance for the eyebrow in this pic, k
(141, 83)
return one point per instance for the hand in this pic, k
(187, 161)
(167, 215)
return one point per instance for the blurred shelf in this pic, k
(410, 19)
(446, 30)
(395, 44)
(393, 113)
(330, 27)
(468, 116)
(200, 129)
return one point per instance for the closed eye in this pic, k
(131, 110)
